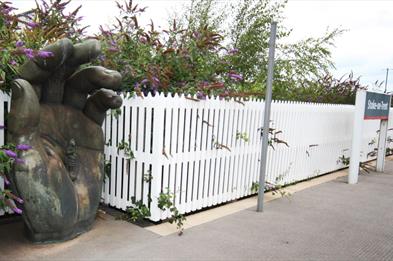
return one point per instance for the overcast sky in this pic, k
(366, 48)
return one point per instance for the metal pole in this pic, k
(383, 133)
(386, 81)
(266, 117)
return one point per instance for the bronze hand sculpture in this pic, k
(58, 108)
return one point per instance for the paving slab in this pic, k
(330, 221)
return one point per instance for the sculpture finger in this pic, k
(25, 110)
(50, 58)
(85, 52)
(87, 81)
(98, 103)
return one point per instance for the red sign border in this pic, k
(376, 117)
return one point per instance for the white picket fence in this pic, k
(193, 150)
(4, 109)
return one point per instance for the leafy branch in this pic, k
(165, 202)
(126, 148)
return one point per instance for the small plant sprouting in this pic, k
(165, 202)
(242, 136)
(276, 187)
(254, 187)
(125, 146)
(363, 165)
(343, 160)
(137, 212)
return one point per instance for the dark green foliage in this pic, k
(138, 211)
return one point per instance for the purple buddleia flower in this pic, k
(17, 210)
(196, 34)
(101, 57)
(44, 54)
(19, 161)
(154, 90)
(19, 200)
(156, 82)
(235, 76)
(32, 24)
(23, 147)
(10, 153)
(19, 43)
(113, 49)
(143, 39)
(144, 81)
(6, 181)
(201, 95)
(13, 62)
(233, 51)
(8, 9)
(29, 53)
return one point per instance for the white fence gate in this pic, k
(207, 152)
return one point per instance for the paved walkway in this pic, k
(331, 221)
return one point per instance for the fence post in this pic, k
(158, 132)
(383, 131)
(357, 136)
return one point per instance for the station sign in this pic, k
(377, 106)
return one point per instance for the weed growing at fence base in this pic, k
(343, 160)
(362, 165)
(137, 212)
(165, 203)
(274, 188)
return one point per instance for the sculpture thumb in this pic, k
(25, 110)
